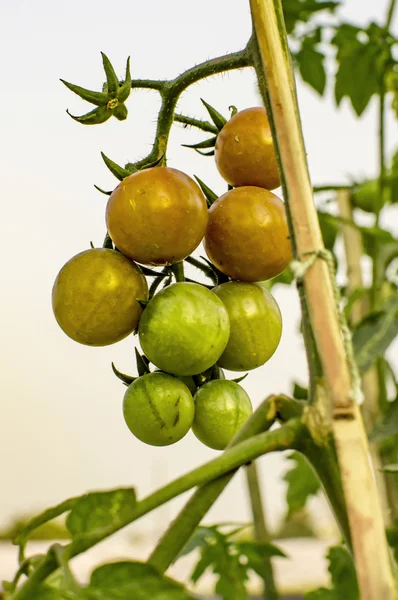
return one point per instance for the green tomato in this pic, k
(366, 195)
(221, 408)
(158, 409)
(184, 329)
(255, 322)
(95, 295)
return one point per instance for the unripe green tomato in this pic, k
(255, 325)
(366, 195)
(95, 295)
(158, 409)
(221, 408)
(184, 329)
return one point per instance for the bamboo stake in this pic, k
(370, 383)
(363, 505)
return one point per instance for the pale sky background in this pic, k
(62, 431)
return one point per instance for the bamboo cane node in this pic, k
(299, 269)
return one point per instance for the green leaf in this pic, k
(48, 593)
(390, 468)
(301, 11)
(127, 379)
(133, 581)
(197, 540)
(312, 69)
(374, 334)
(341, 568)
(387, 427)
(361, 64)
(97, 98)
(97, 513)
(255, 553)
(210, 196)
(302, 482)
(392, 538)
(142, 363)
(210, 143)
(217, 118)
(329, 228)
(48, 515)
(394, 177)
(116, 170)
(112, 81)
(322, 594)
(94, 117)
(300, 392)
(125, 87)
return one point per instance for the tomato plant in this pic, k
(95, 297)
(190, 331)
(221, 408)
(256, 325)
(184, 329)
(158, 409)
(244, 150)
(148, 211)
(247, 237)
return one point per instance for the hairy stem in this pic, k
(284, 438)
(198, 123)
(260, 529)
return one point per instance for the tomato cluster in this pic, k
(188, 331)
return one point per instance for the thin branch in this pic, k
(283, 438)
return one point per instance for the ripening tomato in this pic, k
(255, 325)
(221, 408)
(95, 297)
(157, 216)
(247, 237)
(244, 151)
(158, 409)
(184, 329)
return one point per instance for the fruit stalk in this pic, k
(273, 65)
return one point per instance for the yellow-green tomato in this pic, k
(158, 409)
(184, 329)
(255, 325)
(95, 295)
(221, 408)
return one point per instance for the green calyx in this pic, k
(109, 102)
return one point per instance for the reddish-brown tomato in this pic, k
(157, 216)
(244, 151)
(247, 237)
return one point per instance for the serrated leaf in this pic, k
(94, 117)
(127, 379)
(133, 581)
(341, 568)
(255, 553)
(374, 334)
(97, 98)
(209, 143)
(302, 482)
(112, 81)
(210, 196)
(116, 170)
(387, 427)
(301, 11)
(312, 70)
(97, 513)
(217, 118)
(197, 540)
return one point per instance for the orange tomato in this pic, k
(244, 151)
(247, 237)
(157, 216)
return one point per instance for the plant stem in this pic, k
(276, 81)
(181, 529)
(178, 271)
(260, 529)
(203, 125)
(171, 90)
(284, 438)
(390, 13)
